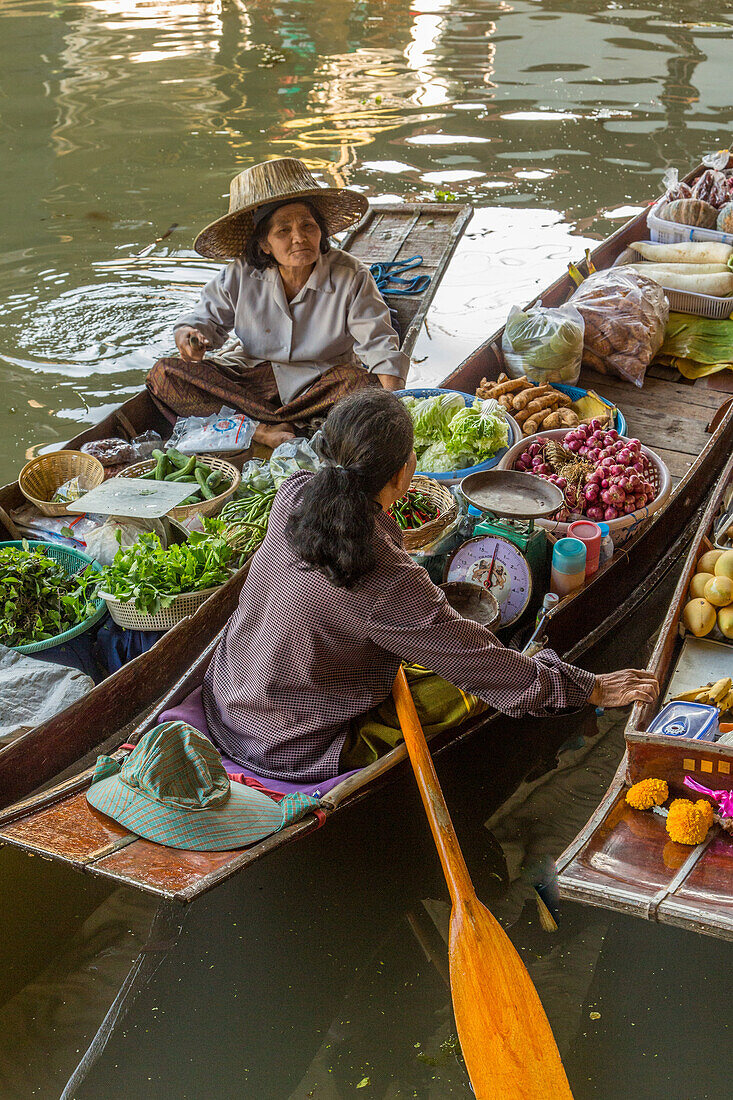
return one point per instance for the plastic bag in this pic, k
(227, 430)
(713, 187)
(70, 491)
(718, 160)
(256, 478)
(116, 451)
(625, 315)
(673, 189)
(546, 345)
(288, 458)
(102, 544)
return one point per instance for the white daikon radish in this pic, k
(685, 252)
(718, 286)
(682, 269)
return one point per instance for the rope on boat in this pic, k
(164, 933)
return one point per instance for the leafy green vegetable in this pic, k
(432, 415)
(450, 435)
(480, 429)
(152, 577)
(38, 598)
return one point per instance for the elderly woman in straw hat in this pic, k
(310, 321)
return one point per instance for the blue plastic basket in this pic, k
(70, 560)
(575, 394)
(454, 476)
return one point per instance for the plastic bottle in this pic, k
(550, 600)
(568, 566)
(606, 545)
(589, 533)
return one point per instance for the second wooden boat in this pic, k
(623, 858)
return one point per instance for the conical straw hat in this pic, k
(275, 181)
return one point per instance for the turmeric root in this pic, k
(561, 418)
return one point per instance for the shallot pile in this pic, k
(602, 476)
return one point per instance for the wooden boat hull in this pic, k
(623, 859)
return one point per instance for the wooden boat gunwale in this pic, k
(608, 894)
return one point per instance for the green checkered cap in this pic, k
(173, 789)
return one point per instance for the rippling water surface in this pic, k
(121, 120)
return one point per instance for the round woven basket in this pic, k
(41, 477)
(624, 527)
(184, 511)
(125, 614)
(444, 501)
(72, 561)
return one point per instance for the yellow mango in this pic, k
(699, 617)
(706, 564)
(724, 565)
(719, 591)
(697, 585)
(725, 621)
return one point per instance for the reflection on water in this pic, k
(119, 118)
(122, 117)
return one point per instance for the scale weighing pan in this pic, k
(512, 494)
(132, 498)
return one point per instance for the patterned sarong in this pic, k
(200, 389)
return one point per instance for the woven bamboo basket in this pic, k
(439, 495)
(42, 476)
(125, 614)
(206, 507)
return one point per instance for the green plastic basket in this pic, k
(70, 560)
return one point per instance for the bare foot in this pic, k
(272, 435)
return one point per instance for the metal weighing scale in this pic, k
(508, 553)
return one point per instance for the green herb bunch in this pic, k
(38, 598)
(152, 577)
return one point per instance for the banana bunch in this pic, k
(719, 694)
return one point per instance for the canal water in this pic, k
(321, 972)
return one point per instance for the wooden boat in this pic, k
(387, 233)
(683, 423)
(623, 858)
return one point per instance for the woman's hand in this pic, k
(620, 689)
(191, 343)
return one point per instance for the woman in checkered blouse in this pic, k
(300, 685)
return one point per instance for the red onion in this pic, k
(573, 446)
(629, 507)
(591, 492)
(519, 465)
(543, 468)
(612, 434)
(605, 483)
(561, 483)
(594, 512)
(610, 513)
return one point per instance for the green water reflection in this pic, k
(122, 117)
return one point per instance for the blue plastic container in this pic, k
(454, 476)
(575, 394)
(693, 721)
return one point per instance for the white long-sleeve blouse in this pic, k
(338, 317)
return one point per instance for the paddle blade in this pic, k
(506, 1039)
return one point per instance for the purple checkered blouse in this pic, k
(300, 657)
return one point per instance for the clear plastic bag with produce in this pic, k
(625, 315)
(288, 458)
(116, 451)
(546, 345)
(102, 543)
(225, 431)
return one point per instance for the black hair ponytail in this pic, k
(366, 439)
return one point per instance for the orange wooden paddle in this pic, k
(507, 1041)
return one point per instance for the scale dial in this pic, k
(511, 578)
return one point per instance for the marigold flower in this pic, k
(647, 793)
(687, 822)
(706, 810)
